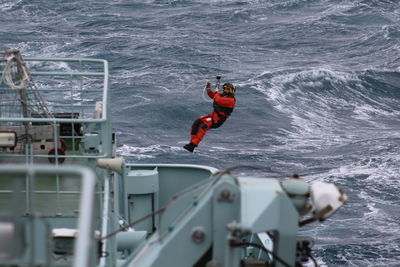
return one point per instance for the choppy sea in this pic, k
(317, 93)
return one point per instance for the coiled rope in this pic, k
(15, 67)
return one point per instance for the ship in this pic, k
(67, 199)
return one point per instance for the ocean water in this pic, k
(317, 93)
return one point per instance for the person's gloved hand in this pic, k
(208, 86)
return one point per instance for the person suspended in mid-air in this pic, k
(224, 103)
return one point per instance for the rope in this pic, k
(16, 69)
(217, 87)
(15, 66)
(207, 99)
(220, 47)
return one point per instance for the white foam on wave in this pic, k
(136, 152)
(377, 216)
(145, 152)
(9, 5)
(372, 177)
(131, 75)
(284, 87)
(367, 112)
(381, 169)
(135, 101)
(317, 116)
(219, 148)
(284, 92)
(77, 97)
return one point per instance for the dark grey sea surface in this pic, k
(317, 93)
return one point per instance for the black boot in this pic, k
(189, 147)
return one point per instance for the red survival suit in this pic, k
(223, 107)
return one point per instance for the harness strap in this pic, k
(223, 111)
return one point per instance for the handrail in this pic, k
(52, 120)
(91, 115)
(84, 249)
(105, 73)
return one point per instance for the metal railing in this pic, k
(77, 97)
(84, 250)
